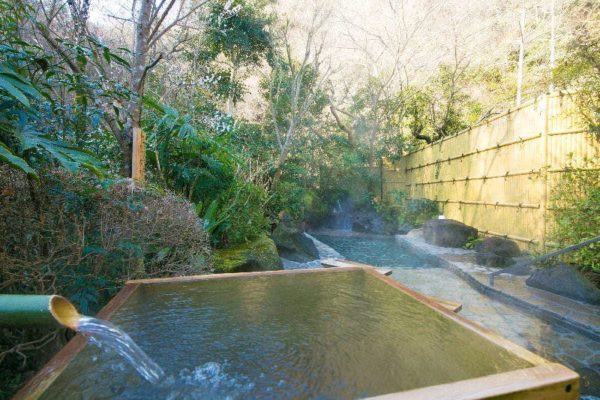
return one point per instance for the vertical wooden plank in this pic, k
(138, 161)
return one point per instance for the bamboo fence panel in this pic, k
(498, 176)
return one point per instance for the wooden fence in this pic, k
(498, 176)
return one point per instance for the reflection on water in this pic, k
(339, 334)
(550, 341)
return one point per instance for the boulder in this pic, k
(499, 246)
(258, 255)
(404, 229)
(448, 233)
(493, 260)
(567, 281)
(496, 252)
(293, 245)
(520, 267)
(369, 221)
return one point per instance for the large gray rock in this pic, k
(368, 222)
(496, 252)
(493, 260)
(404, 229)
(448, 233)
(293, 245)
(567, 281)
(499, 246)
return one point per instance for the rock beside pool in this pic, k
(293, 244)
(492, 260)
(369, 221)
(567, 281)
(496, 252)
(499, 246)
(404, 229)
(448, 233)
(258, 255)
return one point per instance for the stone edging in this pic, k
(547, 315)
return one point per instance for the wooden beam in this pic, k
(138, 157)
(543, 382)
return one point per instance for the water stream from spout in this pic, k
(105, 335)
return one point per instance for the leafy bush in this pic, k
(236, 215)
(414, 211)
(67, 228)
(49, 114)
(575, 213)
(74, 236)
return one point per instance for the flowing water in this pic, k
(551, 341)
(105, 335)
(327, 335)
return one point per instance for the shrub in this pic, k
(414, 211)
(243, 209)
(72, 235)
(575, 213)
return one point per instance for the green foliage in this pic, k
(442, 108)
(237, 30)
(36, 126)
(83, 238)
(237, 215)
(576, 213)
(294, 95)
(202, 165)
(581, 70)
(414, 212)
(472, 242)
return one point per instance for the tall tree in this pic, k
(238, 31)
(153, 21)
(295, 89)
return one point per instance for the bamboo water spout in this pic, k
(37, 310)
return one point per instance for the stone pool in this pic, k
(551, 341)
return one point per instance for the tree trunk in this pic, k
(127, 154)
(135, 146)
(230, 96)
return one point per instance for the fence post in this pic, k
(545, 168)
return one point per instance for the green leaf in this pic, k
(22, 85)
(153, 104)
(119, 60)
(16, 162)
(70, 157)
(13, 91)
(106, 54)
(93, 249)
(164, 252)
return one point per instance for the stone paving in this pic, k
(582, 317)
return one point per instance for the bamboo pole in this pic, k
(37, 310)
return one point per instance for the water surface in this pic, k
(550, 341)
(342, 334)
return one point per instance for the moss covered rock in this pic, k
(258, 255)
(293, 245)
